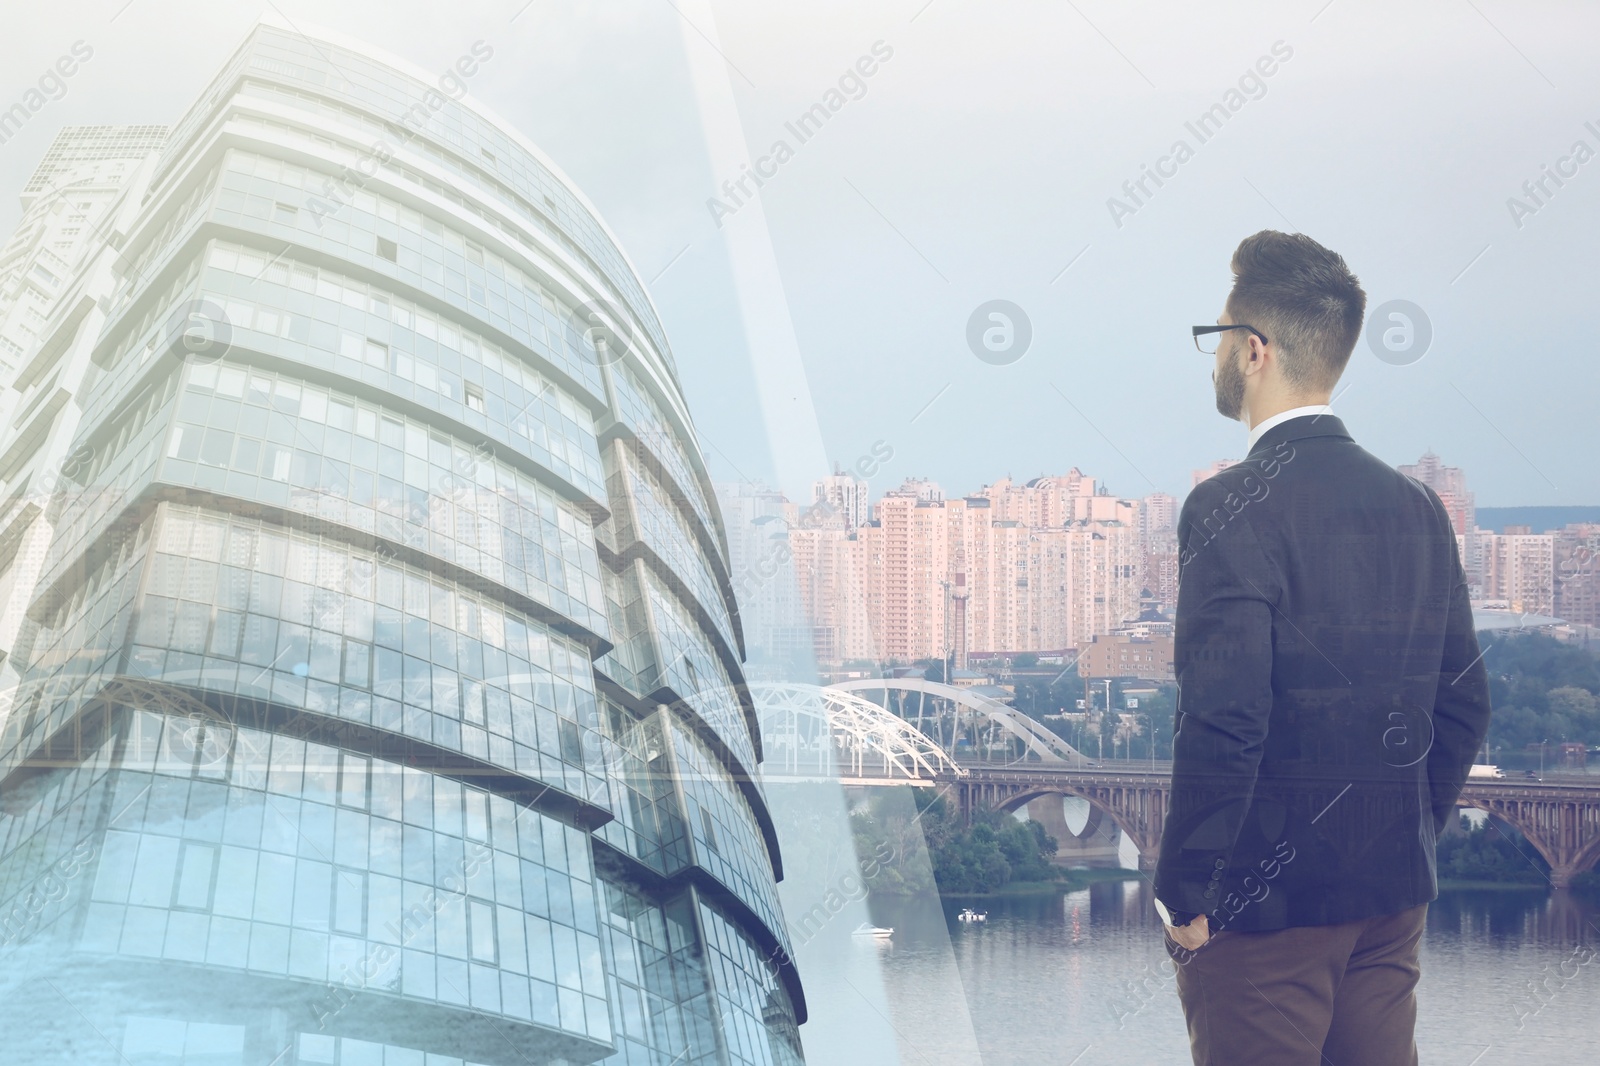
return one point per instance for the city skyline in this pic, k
(1051, 564)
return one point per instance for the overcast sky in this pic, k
(976, 164)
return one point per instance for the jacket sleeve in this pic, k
(1461, 703)
(1223, 652)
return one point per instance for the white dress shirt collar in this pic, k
(1282, 417)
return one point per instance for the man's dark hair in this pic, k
(1304, 298)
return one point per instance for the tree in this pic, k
(996, 850)
(1579, 706)
(1489, 851)
(1541, 689)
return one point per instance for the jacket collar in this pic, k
(1299, 429)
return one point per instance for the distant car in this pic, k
(1532, 775)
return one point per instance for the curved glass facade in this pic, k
(381, 700)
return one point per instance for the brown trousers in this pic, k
(1322, 995)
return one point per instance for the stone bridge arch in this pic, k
(1564, 829)
(1097, 843)
(1136, 805)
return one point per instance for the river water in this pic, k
(1510, 976)
(1079, 979)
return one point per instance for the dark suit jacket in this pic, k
(1331, 692)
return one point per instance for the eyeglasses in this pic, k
(1206, 337)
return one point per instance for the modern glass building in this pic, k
(379, 699)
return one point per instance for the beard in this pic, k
(1229, 384)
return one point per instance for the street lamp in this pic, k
(1542, 743)
(1108, 715)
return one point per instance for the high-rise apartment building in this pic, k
(1159, 514)
(1518, 568)
(1161, 569)
(908, 585)
(846, 494)
(1043, 502)
(379, 690)
(65, 212)
(1577, 573)
(920, 489)
(1035, 567)
(1450, 483)
(1217, 467)
(761, 554)
(829, 574)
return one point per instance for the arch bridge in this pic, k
(837, 733)
(1561, 819)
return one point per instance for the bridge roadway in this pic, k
(1559, 815)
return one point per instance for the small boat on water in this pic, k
(874, 932)
(969, 915)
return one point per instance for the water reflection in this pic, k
(1508, 975)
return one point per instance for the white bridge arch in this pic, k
(810, 731)
(960, 712)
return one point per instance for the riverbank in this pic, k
(1078, 879)
(1074, 880)
(1447, 884)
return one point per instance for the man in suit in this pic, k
(1331, 697)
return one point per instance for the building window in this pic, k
(353, 778)
(285, 213)
(480, 920)
(388, 250)
(164, 1040)
(475, 398)
(193, 890)
(349, 901)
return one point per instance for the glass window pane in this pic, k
(481, 928)
(349, 903)
(311, 895)
(194, 877)
(353, 781)
(153, 870)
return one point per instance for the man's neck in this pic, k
(1266, 409)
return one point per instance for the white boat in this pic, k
(969, 915)
(875, 932)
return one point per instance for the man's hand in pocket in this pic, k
(1190, 937)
